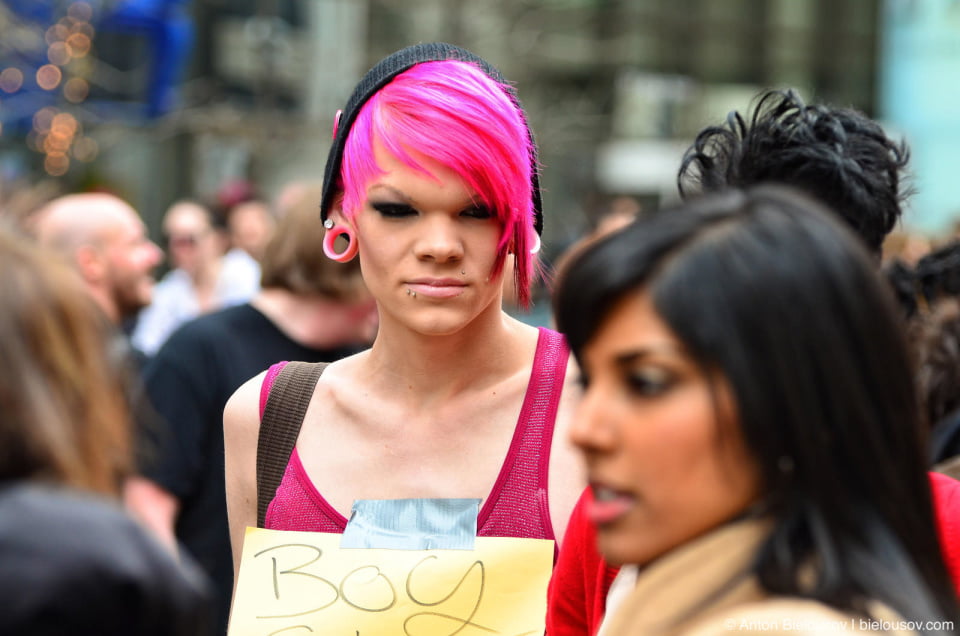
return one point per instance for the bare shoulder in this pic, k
(243, 407)
(241, 417)
(241, 429)
(570, 398)
(567, 473)
(571, 385)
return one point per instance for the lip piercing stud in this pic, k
(412, 293)
(463, 272)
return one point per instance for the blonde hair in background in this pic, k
(63, 412)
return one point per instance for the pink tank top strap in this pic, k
(267, 383)
(298, 505)
(518, 505)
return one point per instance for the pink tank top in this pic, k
(517, 505)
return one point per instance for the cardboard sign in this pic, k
(299, 583)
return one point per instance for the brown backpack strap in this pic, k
(280, 424)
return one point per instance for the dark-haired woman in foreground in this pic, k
(750, 426)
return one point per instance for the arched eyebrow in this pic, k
(394, 191)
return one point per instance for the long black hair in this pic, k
(769, 289)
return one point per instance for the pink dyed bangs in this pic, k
(455, 114)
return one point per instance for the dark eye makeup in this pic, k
(477, 212)
(398, 210)
(393, 210)
(648, 382)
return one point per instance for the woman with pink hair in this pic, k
(432, 184)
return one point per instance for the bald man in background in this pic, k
(106, 241)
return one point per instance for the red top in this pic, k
(517, 505)
(577, 598)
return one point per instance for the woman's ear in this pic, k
(337, 216)
(335, 212)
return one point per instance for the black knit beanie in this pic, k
(381, 75)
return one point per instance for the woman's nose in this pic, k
(592, 427)
(439, 240)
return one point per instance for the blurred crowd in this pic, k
(118, 372)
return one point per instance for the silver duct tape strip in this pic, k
(412, 524)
